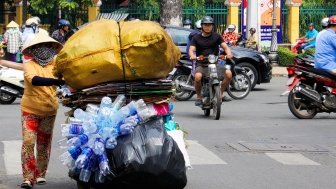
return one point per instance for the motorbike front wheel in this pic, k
(240, 86)
(300, 107)
(180, 94)
(216, 102)
(6, 98)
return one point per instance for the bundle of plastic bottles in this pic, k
(89, 133)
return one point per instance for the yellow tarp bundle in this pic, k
(93, 55)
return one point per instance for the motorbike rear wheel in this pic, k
(6, 98)
(216, 102)
(299, 108)
(240, 86)
(180, 94)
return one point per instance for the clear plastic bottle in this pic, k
(105, 102)
(118, 102)
(89, 127)
(144, 111)
(81, 114)
(84, 157)
(73, 129)
(111, 142)
(92, 109)
(99, 146)
(78, 140)
(99, 177)
(85, 173)
(127, 126)
(104, 167)
(128, 110)
(68, 158)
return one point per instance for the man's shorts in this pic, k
(204, 70)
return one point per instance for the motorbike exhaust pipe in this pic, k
(309, 93)
(184, 86)
(10, 91)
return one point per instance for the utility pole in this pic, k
(273, 55)
(24, 10)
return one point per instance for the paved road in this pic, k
(257, 144)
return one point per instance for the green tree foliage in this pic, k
(43, 6)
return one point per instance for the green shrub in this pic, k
(286, 56)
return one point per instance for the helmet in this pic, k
(311, 24)
(63, 22)
(31, 22)
(207, 20)
(38, 20)
(187, 22)
(253, 30)
(332, 20)
(231, 28)
(325, 22)
(198, 24)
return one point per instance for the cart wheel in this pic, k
(83, 185)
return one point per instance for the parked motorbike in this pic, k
(11, 85)
(310, 90)
(239, 88)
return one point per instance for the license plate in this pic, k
(290, 81)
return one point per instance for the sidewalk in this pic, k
(279, 71)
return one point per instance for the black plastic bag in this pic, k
(147, 158)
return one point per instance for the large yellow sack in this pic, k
(93, 54)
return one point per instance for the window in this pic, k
(180, 37)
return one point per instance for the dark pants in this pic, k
(11, 57)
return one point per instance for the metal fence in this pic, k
(314, 15)
(217, 10)
(284, 24)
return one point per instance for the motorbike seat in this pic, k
(324, 73)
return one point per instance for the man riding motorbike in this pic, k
(325, 52)
(207, 43)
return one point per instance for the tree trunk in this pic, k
(171, 12)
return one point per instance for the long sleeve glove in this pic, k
(43, 81)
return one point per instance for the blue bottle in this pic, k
(104, 167)
(84, 157)
(78, 140)
(68, 158)
(73, 129)
(85, 173)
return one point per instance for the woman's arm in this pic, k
(11, 64)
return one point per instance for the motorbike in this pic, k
(299, 43)
(310, 91)
(183, 77)
(11, 85)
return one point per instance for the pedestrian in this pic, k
(252, 39)
(63, 29)
(39, 106)
(13, 40)
(309, 38)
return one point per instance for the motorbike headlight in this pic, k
(212, 58)
(264, 57)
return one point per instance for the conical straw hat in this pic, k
(38, 39)
(12, 24)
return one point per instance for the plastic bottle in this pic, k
(84, 157)
(81, 114)
(144, 112)
(105, 102)
(73, 129)
(98, 146)
(85, 173)
(128, 110)
(99, 177)
(89, 127)
(104, 167)
(127, 126)
(111, 142)
(68, 158)
(92, 109)
(78, 140)
(118, 102)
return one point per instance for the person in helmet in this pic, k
(63, 29)
(309, 39)
(206, 43)
(325, 52)
(252, 40)
(40, 30)
(28, 34)
(230, 36)
(325, 26)
(187, 23)
(193, 33)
